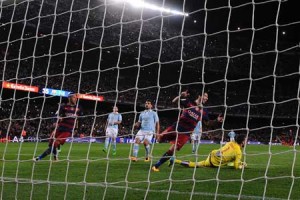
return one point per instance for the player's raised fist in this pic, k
(185, 93)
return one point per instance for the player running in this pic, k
(179, 133)
(67, 123)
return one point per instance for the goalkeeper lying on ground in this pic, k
(229, 153)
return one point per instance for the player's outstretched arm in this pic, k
(215, 122)
(238, 164)
(184, 94)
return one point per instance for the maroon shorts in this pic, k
(170, 135)
(60, 138)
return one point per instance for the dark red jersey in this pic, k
(68, 114)
(189, 117)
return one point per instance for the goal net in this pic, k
(243, 53)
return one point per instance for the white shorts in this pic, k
(196, 137)
(144, 135)
(111, 132)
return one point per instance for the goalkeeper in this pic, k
(231, 152)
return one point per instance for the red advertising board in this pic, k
(16, 86)
(90, 97)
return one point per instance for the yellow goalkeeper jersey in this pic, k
(230, 152)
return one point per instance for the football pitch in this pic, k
(84, 171)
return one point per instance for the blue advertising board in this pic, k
(53, 92)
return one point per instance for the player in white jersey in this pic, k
(112, 128)
(196, 136)
(149, 126)
(231, 136)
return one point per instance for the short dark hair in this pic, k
(149, 100)
(240, 138)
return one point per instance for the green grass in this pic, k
(85, 172)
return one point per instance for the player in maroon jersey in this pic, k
(179, 133)
(68, 114)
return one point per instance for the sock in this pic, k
(164, 158)
(114, 145)
(106, 142)
(135, 149)
(46, 153)
(147, 148)
(193, 149)
(197, 146)
(54, 151)
(177, 161)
